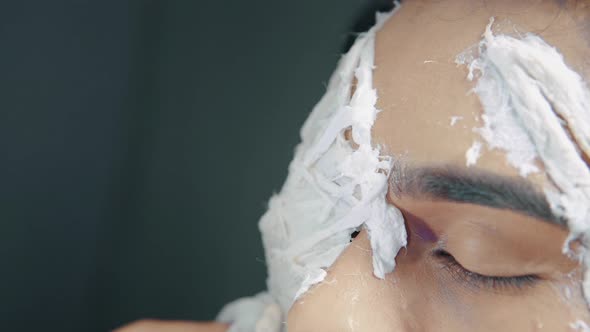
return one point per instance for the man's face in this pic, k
(488, 258)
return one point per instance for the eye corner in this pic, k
(441, 253)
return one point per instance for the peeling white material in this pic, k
(535, 106)
(455, 119)
(258, 313)
(473, 153)
(502, 126)
(580, 326)
(334, 187)
(309, 281)
(271, 319)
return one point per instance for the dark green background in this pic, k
(139, 142)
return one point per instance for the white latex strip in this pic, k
(334, 188)
(532, 103)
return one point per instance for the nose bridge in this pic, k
(414, 288)
(352, 299)
(399, 299)
(403, 297)
(361, 306)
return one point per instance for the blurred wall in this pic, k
(64, 97)
(140, 141)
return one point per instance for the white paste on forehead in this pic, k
(333, 189)
(536, 107)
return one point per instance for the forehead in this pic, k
(427, 114)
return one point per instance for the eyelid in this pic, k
(474, 279)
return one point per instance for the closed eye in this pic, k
(474, 279)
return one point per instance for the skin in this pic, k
(420, 86)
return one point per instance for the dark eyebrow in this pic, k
(474, 186)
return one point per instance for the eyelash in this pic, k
(477, 280)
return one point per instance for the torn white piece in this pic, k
(535, 106)
(580, 326)
(455, 119)
(252, 314)
(502, 128)
(335, 186)
(271, 319)
(318, 276)
(473, 153)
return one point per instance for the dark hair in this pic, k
(366, 20)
